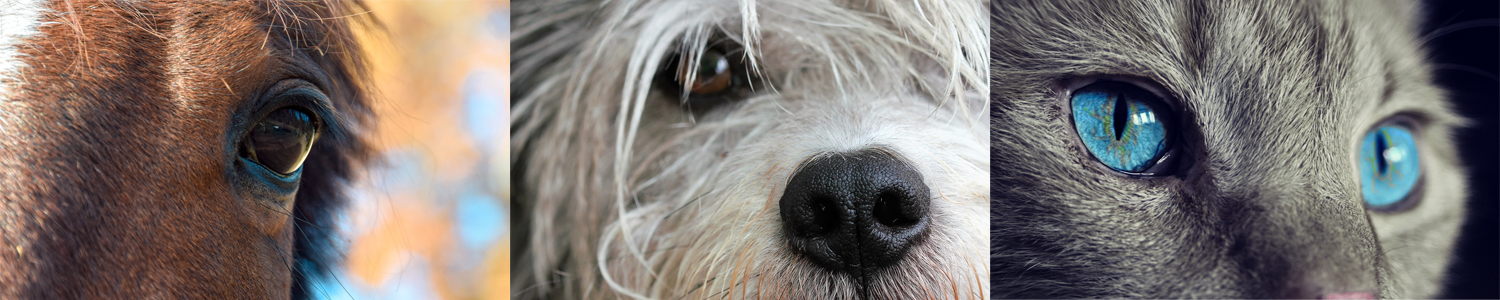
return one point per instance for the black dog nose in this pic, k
(855, 212)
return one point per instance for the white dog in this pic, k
(678, 149)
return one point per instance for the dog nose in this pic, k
(855, 212)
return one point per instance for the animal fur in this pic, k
(116, 153)
(620, 191)
(1272, 97)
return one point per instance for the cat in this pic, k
(1218, 149)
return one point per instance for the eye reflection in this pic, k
(281, 141)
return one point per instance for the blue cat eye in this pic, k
(1120, 125)
(1388, 165)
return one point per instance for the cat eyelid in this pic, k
(1408, 119)
(1411, 104)
(1415, 121)
(1063, 89)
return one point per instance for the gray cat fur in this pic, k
(1272, 98)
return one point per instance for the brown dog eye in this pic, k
(713, 74)
(281, 140)
(714, 79)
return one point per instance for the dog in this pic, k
(182, 150)
(749, 149)
(1218, 149)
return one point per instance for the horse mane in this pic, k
(322, 29)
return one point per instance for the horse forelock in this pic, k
(89, 88)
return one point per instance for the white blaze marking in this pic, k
(18, 21)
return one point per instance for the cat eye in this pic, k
(714, 78)
(1125, 127)
(281, 140)
(1389, 165)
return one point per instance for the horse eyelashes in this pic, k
(281, 141)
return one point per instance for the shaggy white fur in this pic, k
(621, 191)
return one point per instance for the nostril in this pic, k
(894, 210)
(825, 217)
(855, 211)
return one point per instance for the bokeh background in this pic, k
(1464, 37)
(431, 220)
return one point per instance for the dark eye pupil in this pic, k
(281, 140)
(1122, 113)
(711, 74)
(712, 64)
(1381, 163)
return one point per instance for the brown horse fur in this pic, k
(116, 148)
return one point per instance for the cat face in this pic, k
(1272, 149)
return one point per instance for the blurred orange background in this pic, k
(431, 221)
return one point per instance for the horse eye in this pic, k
(712, 75)
(1124, 126)
(281, 140)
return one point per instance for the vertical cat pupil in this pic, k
(1381, 163)
(1121, 114)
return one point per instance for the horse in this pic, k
(163, 149)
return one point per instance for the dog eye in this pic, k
(712, 74)
(1123, 126)
(713, 80)
(1388, 166)
(281, 140)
